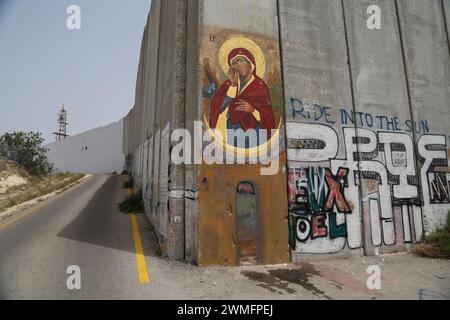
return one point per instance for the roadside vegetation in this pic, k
(437, 244)
(129, 184)
(25, 171)
(26, 150)
(134, 202)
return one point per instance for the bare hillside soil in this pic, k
(17, 186)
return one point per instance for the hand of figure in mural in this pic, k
(233, 76)
(244, 106)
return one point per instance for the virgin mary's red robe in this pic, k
(257, 94)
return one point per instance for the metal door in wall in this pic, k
(246, 222)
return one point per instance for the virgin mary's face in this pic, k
(242, 67)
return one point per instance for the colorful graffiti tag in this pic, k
(313, 195)
(376, 184)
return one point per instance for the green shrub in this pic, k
(444, 244)
(27, 151)
(134, 203)
(129, 184)
(441, 238)
(447, 225)
(444, 238)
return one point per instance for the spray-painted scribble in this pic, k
(325, 206)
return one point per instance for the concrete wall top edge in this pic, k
(79, 135)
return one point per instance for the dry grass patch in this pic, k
(37, 187)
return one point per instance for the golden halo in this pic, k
(241, 42)
(231, 149)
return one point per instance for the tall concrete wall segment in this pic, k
(170, 105)
(426, 52)
(151, 71)
(192, 113)
(159, 107)
(389, 196)
(317, 92)
(361, 112)
(96, 151)
(240, 219)
(446, 8)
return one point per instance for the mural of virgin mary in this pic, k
(243, 101)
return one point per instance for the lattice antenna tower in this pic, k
(62, 122)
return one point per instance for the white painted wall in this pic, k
(95, 151)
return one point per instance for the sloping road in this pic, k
(83, 227)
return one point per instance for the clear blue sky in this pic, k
(43, 64)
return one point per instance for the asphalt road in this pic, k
(83, 227)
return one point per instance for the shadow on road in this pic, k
(101, 223)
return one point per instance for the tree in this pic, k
(26, 149)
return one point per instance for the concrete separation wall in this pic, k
(317, 90)
(242, 213)
(427, 62)
(159, 107)
(96, 151)
(358, 95)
